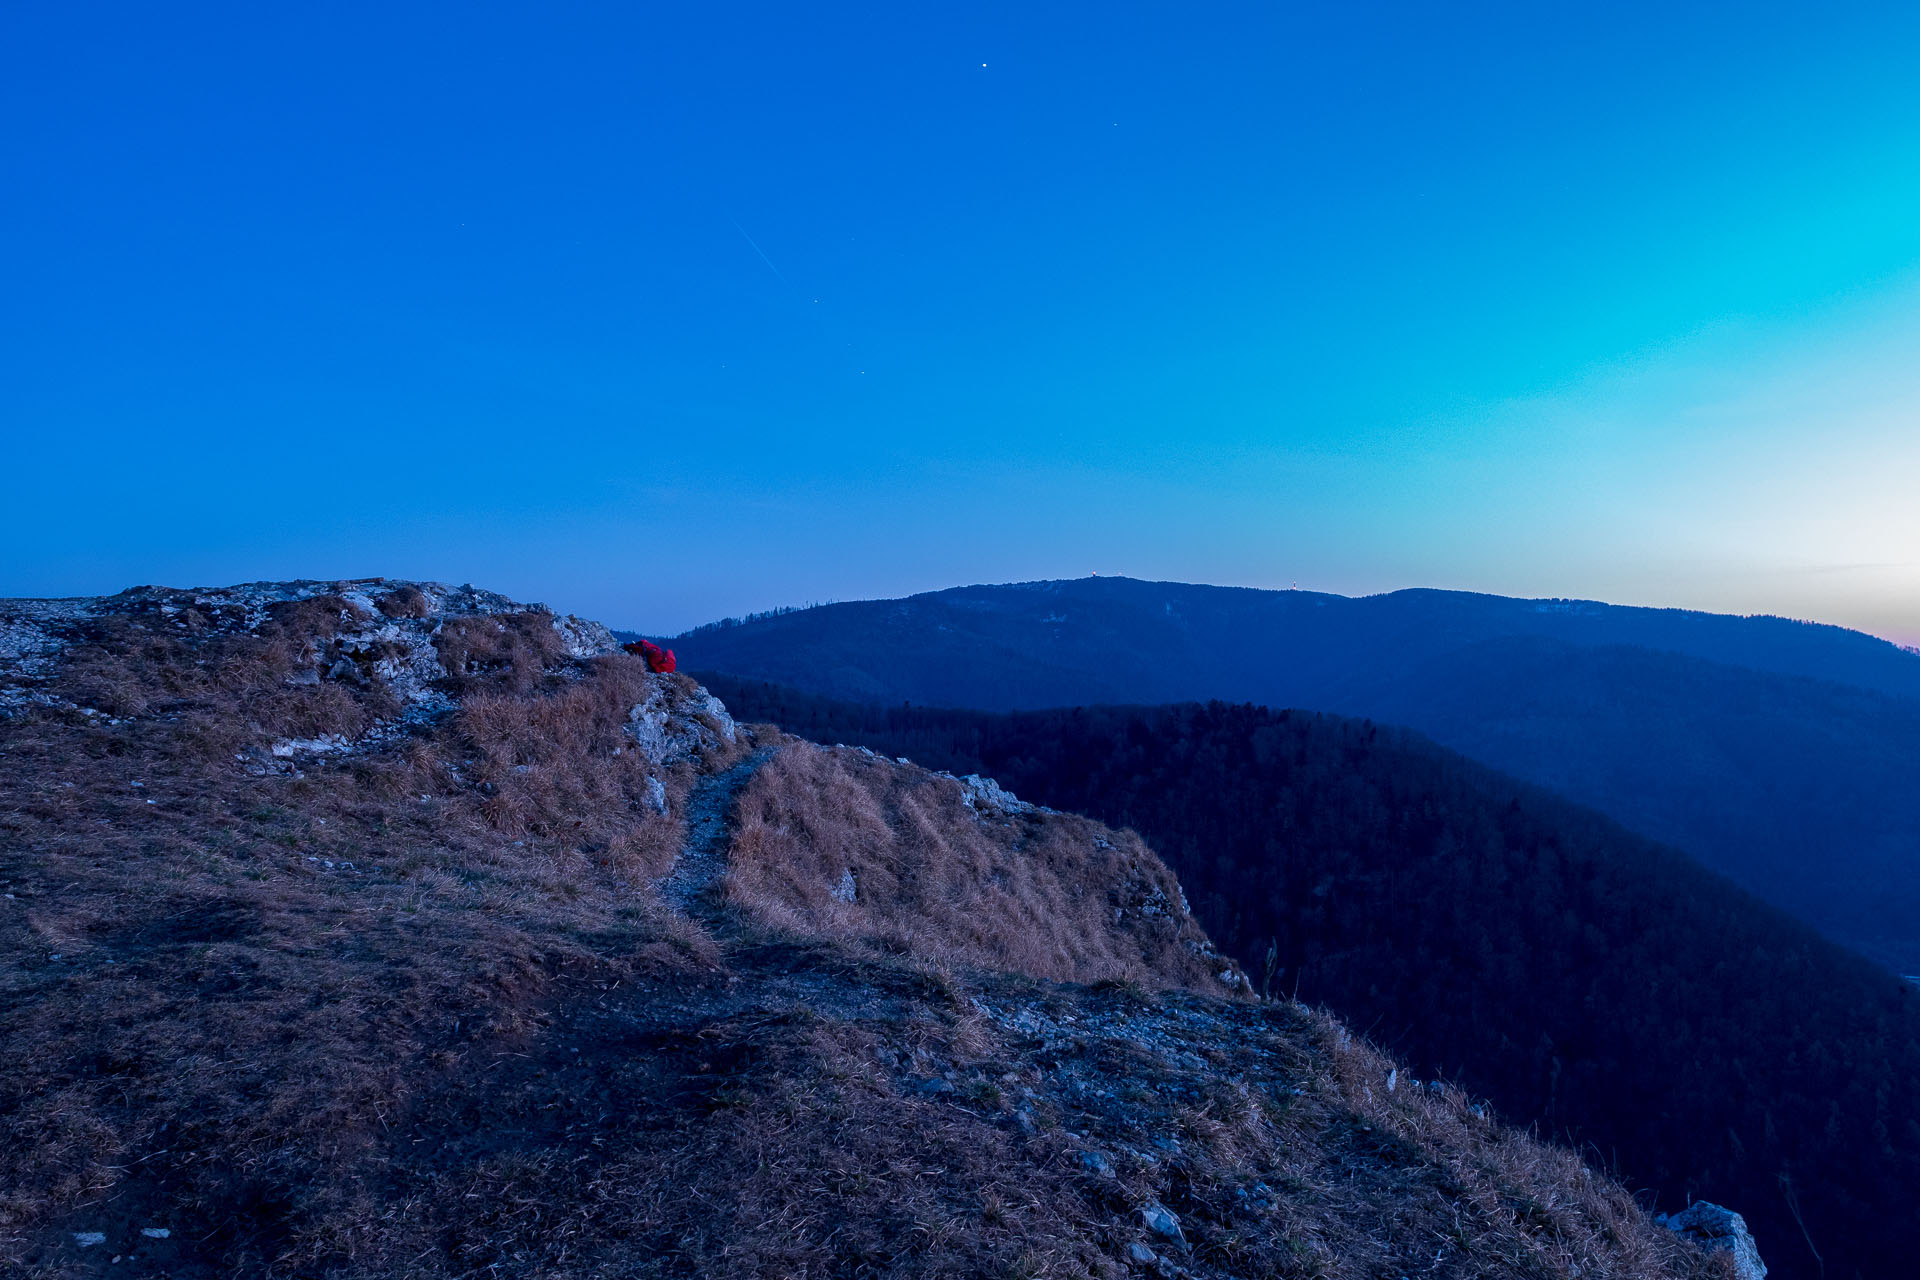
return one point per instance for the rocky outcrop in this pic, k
(385, 635)
(673, 725)
(1718, 1230)
(988, 798)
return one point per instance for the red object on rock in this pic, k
(658, 659)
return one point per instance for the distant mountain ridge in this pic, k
(1779, 752)
(1416, 620)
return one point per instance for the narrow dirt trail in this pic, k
(703, 854)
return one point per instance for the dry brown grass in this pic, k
(508, 652)
(780, 1122)
(403, 602)
(1049, 895)
(251, 973)
(560, 766)
(418, 1012)
(1542, 1208)
(230, 688)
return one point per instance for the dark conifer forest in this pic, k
(1610, 990)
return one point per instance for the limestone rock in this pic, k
(1160, 1220)
(669, 726)
(583, 637)
(705, 704)
(986, 797)
(326, 743)
(1715, 1229)
(1097, 1163)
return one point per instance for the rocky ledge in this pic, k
(386, 633)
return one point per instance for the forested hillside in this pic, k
(1778, 752)
(1590, 981)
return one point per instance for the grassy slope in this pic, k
(416, 1010)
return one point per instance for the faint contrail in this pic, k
(763, 254)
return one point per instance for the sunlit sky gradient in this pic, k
(661, 313)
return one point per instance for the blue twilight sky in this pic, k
(666, 312)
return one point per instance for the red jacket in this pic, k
(658, 659)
